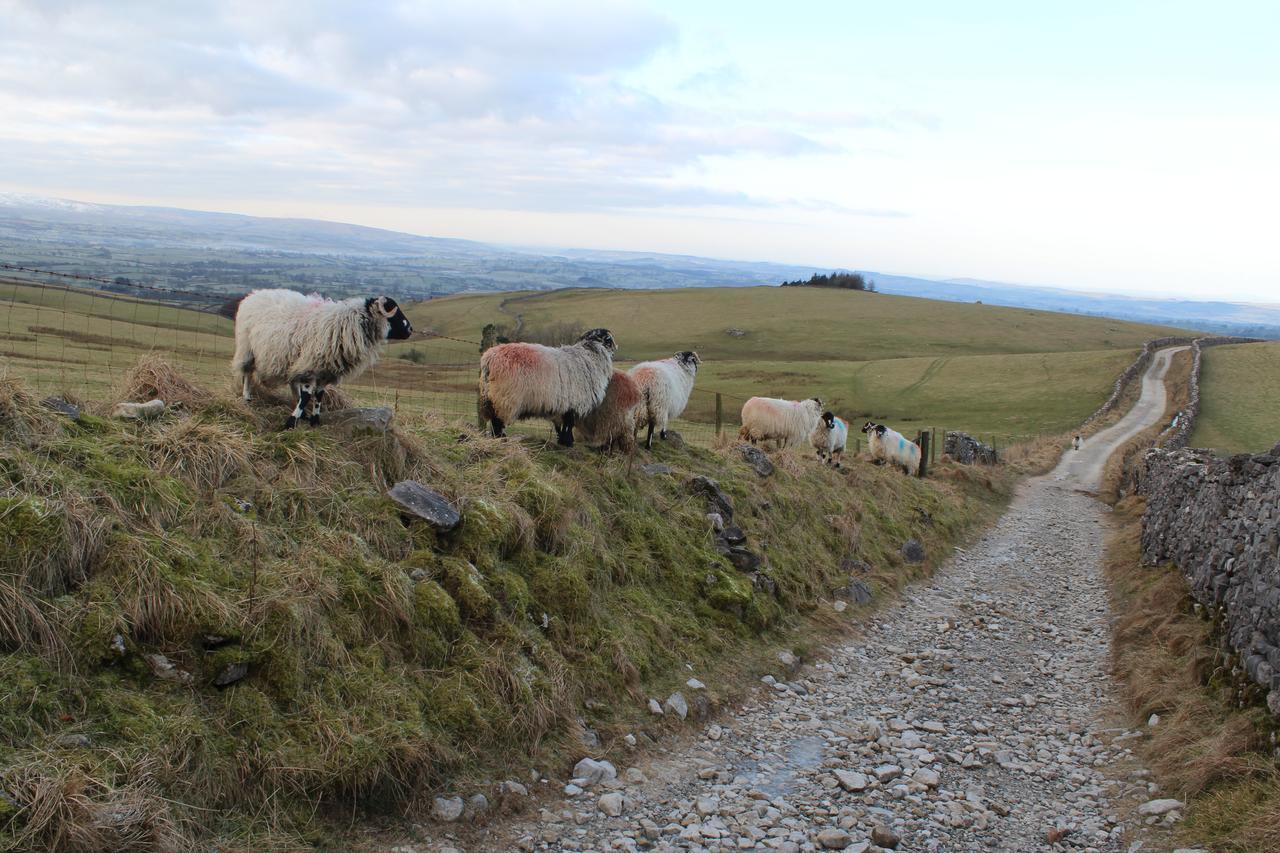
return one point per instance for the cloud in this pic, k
(502, 104)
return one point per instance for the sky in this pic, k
(1121, 146)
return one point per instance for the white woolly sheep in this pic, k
(665, 387)
(310, 342)
(829, 438)
(892, 447)
(786, 422)
(520, 380)
(612, 424)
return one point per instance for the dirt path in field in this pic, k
(976, 713)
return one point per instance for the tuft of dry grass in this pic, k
(1206, 749)
(155, 378)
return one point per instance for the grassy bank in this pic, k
(1213, 744)
(381, 661)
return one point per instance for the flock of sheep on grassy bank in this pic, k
(312, 343)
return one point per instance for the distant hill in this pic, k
(221, 254)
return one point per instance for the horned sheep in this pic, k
(310, 342)
(665, 387)
(523, 380)
(785, 422)
(829, 438)
(892, 447)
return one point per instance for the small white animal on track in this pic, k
(665, 387)
(892, 447)
(829, 438)
(310, 342)
(785, 422)
(562, 384)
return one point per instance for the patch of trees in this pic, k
(841, 280)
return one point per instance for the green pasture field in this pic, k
(1239, 398)
(913, 363)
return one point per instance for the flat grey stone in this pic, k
(418, 500)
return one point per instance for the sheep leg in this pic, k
(314, 420)
(648, 440)
(304, 400)
(566, 431)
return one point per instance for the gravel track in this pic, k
(976, 713)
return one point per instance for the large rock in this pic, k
(62, 407)
(230, 674)
(885, 837)
(913, 551)
(360, 419)
(852, 782)
(717, 500)
(593, 772)
(834, 839)
(139, 411)
(611, 804)
(416, 499)
(676, 704)
(447, 809)
(757, 459)
(743, 559)
(1159, 807)
(653, 469)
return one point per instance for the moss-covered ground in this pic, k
(383, 661)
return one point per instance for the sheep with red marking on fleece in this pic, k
(562, 384)
(665, 387)
(829, 438)
(612, 424)
(310, 342)
(785, 422)
(892, 447)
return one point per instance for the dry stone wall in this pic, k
(1218, 521)
(1180, 428)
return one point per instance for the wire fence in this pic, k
(65, 336)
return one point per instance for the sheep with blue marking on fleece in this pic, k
(892, 447)
(310, 342)
(785, 422)
(829, 438)
(665, 387)
(562, 384)
(612, 424)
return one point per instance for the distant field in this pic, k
(788, 325)
(1239, 398)
(913, 363)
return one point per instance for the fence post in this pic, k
(719, 415)
(924, 454)
(933, 445)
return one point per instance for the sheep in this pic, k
(786, 422)
(1077, 443)
(829, 438)
(665, 386)
(310, 342)
(612, 424)
(521, 380)
(892, 447)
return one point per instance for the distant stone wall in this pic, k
(1218, 521)
(967, 450)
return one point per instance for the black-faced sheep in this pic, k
(665, 387)
(520, 380)
(310, 342)
(786, 422)
(892, 447)
(829, 438)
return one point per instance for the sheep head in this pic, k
(688, 359)
(603, 337)
(829, 419)
(385, 309)
(868, 427)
